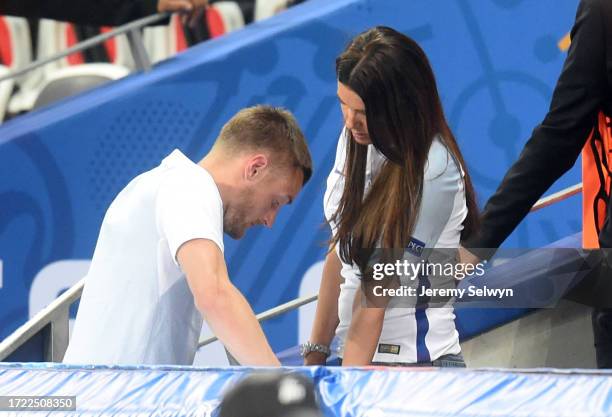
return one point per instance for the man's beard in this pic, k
(231, 228)
(235, 218)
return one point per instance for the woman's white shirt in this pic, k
(416, 335)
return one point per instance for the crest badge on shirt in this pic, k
(415, 247)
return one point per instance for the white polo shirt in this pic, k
(136, 307)
(421, 335)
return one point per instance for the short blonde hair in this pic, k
(273, 129)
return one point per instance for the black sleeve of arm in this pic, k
(83, 12)
(557, 142)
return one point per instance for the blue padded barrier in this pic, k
(186, 391)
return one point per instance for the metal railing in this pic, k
(52, 321)
(273, 312)
(131, 30)
(556, 197)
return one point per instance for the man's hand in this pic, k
(192, 10)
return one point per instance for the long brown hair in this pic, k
(393, 77)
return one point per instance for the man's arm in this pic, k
(556, 143)
(224, 308)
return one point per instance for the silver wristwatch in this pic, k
(306, 348)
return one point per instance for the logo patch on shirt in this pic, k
(392, 349)
(415, 247)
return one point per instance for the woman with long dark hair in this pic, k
(399, 182)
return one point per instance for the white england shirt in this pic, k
(136, 306)
(418, 335)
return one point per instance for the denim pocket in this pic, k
(450, 361)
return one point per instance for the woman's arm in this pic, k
(326, 316)
(364, 332)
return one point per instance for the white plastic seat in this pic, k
(268, 8)
(162, 42)
(72, 80)
(118, 49)
(231, 14)
(54, 37)
(6, 88)
(15, 43)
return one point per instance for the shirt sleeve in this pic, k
(335, 182)
(557, 142)
(188, 207)
(441, 183)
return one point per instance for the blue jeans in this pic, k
(445, 361)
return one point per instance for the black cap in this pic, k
(271, 394)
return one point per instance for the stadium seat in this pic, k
(15, 44)
(156, 40)
(162, 42)
(214, 20)
(6, 88)
(118, 50)
(247, 7)
(230, 15)
(178, 41)
(72, 80)
(54, 37)
(268, 8)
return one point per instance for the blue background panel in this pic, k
(496, 63)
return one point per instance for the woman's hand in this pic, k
(315, 358)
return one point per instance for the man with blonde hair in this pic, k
(158, 267)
